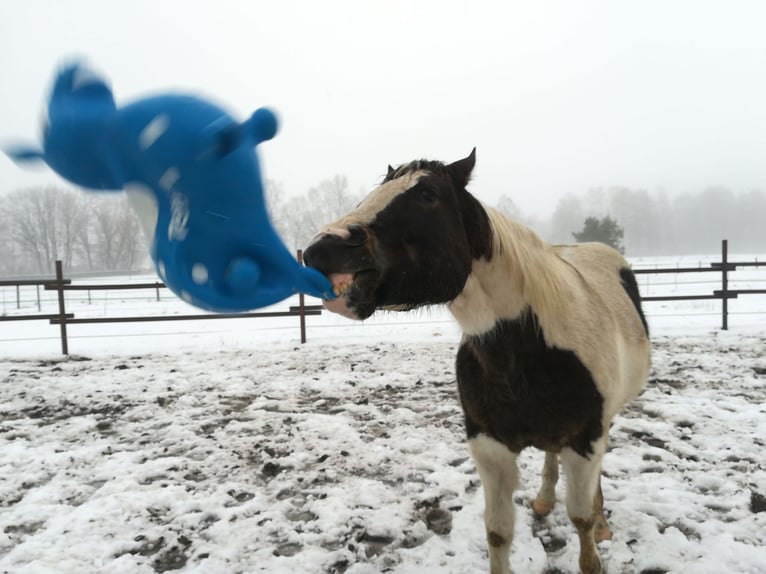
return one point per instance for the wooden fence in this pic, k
(60, 284)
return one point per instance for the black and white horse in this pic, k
(554, 339)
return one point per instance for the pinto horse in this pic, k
(554, 339)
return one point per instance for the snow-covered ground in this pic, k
(227, 447)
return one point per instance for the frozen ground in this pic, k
(341, 457)
(226, 447)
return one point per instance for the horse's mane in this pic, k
(435, 167)
(532, 264)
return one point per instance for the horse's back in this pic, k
(607, 277)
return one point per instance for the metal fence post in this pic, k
(302, 304)
(62, 307)
(725, 284)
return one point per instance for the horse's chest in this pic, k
(521, 392)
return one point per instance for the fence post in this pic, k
(62, 307)
(301, 304)
(725, 284)
(18, 297)
(39, 307)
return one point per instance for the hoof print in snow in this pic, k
(757, 502)
(298, 515)
(551, 543)
(338, 567)
(270, 470)
(374, 543)
(148, 547)
(239, 498)
(288, 549)
(649, 439)
(439, 521)
(174, 558)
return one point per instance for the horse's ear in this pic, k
(390, 172)
(460, 171)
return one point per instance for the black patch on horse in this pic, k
(474, 218)
(521, 392)
(631, 288)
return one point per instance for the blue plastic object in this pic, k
(192, 175)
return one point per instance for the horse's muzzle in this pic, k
(340, 251)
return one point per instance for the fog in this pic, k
(558, 97)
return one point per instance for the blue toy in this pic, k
(192, 176)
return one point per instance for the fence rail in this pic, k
(60, 285)
(723, 267)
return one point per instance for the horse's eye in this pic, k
(428, 195)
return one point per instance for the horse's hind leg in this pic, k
(499, 476)
(546, 496)
(601, 529)
(583, 497)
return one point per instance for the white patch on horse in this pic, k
(153, 130)
(558, 283)
(374, 203)
(498, 472)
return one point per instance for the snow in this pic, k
(227, 447)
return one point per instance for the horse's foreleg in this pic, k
(583, 487)
(546, 496)
(499, 477)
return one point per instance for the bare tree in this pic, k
(567, 218)
(299, 218)
(83, 230)
(115, 232)
(43, 224)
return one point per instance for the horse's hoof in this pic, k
(542, 507)
(602, 532)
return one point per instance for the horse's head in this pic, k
(410, 243)
(76, 138)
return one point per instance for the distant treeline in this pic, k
(661, 224)
(86, 231)
(91, 232)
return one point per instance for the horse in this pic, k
(554, 341)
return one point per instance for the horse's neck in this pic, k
(524, 272)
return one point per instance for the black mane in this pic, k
(435, 167)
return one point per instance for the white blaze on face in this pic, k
(363, 215)
(373, 204)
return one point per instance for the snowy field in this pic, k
(227, 447)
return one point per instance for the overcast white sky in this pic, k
(557, 96)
